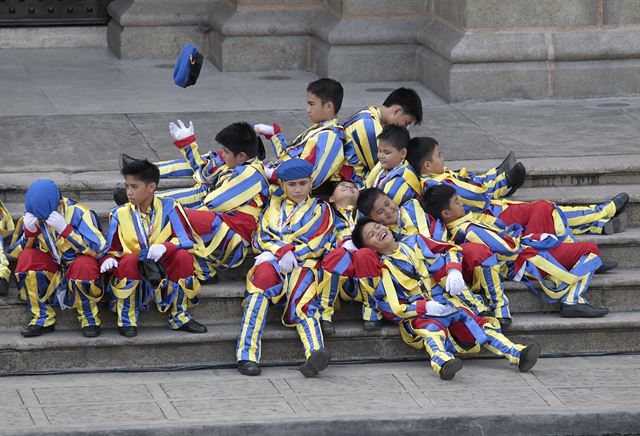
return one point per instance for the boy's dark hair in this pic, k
(331, 186)
(437, 199)
(238, 138)
(328, 90)
(357, 234)
(142, 170)
(408, 99)
(367, 198)
(419, 151)
(397, 136)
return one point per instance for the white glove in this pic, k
(288, 262)
(156, 251)
(108, 264)
(57, 221)
(349, 246)
(264, 129)
(455, 282)
(30, 222)
(181, 131)
(437, 309)
(268, 171)
(266, 256)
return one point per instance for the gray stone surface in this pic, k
(621, 12)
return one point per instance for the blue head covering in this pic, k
(293, 169)
(188, 66)
(42, 198)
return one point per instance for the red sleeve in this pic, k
(284, 250)
(367, 263)
(182, 143)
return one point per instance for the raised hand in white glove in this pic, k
(263, 257)
(349, 246)
(268, 171)
(57, 221)
(287, 262)
(264, 129)
(30, 222)
(437, 309)
(180, 131)
(455, 282)
(156, 251)
(108, 265)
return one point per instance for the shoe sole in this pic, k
(128, 335)
(42, 332)
(448, 371)
(617, 224)
(577, 314)
(92, 335)
(250, 374)
(622, 208)
(529, 357)
(318, 361)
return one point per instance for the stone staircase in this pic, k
(220, 304)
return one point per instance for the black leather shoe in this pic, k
(126, 160)
(120, 196)
(505, 323)
(617, 224)
(509, 162)
(582, 311)
(449, 369)
(35, 330)
(607, 265)
(621, 201)
(248, 367)
(515, 178)
(529, 356)
(193, 326)
(4, 287)
(128, 332)
(327, 327)
(318, 361)
(91, 331)
(371, 326)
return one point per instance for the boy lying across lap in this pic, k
(403, 277)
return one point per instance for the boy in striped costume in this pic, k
(295, 232)
(6, 230)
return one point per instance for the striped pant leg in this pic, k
(302, 308)
(589, 219)
(87, 308)
(127, 310)
(174, 168)
(493, 287)
(310, 334)
(253, 321)
(178, 314)
(336, 277)
(472, 301)
(32, 286)
(500, 345)
(189, 197)
(575, 294)
(365, 287)
(495, 183)
(435, 343)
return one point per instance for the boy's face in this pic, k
(233, 160)
(389, 156)
(297, 190)
(345, 194)
(377, 237)
(138, 192)
(436, 164)
(384, 211)
(318, 111)
(455, 210)
(397, 117)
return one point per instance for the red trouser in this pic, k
(82, 268)
(536, 217)
(178, 264)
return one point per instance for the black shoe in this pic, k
(515, 178)
(128, 332)
(582, 311)
(529, 356)
(4, 287)
(91, 331)
(505, 323)
(327, 327)
(621, 201)
(607, 265)
(485, 313)
(449, 369)
(35, 330)
(126, 160)
(371, 326)
(318, 361)
(120, 196)
(193, 326)
(617, 224)
(509, 162)
(212, 281)
(248, 367)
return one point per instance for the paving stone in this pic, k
(15, 418)
(229, 408)
(105, 413)
(611, 395)
(390, 402)
(346, 385)
(592, 377)
(92, 394)
(10, 397)
(246, 387)
(479, 397)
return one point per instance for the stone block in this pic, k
(383, 8)
(621, 12)
(615, 44)
(245, 53)
(50, 37)
(452, 11)
(596, 78)
(286, 5)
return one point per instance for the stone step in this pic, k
(222, 303)
(155, 347)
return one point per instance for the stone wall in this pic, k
(461, 49)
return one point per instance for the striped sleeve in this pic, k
(245, 184)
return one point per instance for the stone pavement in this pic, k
(572, 395)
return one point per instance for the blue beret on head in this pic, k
(42, 198)
(293, 169)
(188, 66)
